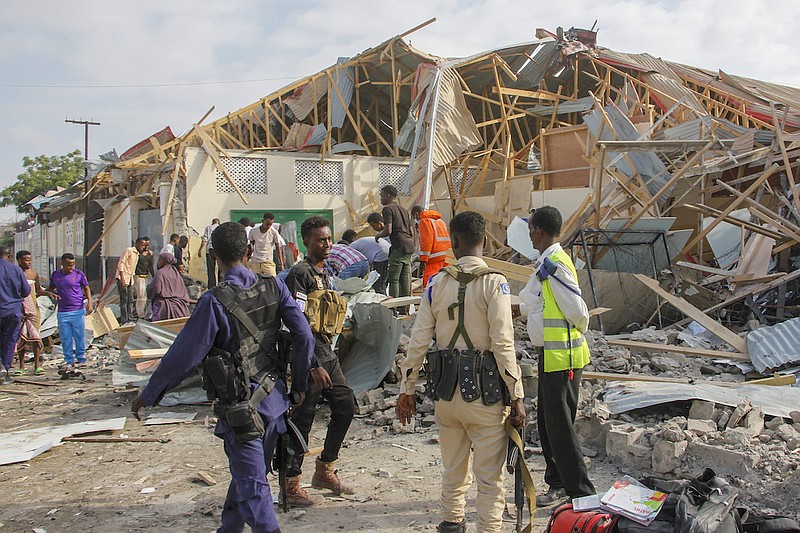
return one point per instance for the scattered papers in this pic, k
(586, 503)
(629, 498)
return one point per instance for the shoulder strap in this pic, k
(463, 278)
(228, 298)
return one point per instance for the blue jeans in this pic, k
(356, 270)
(71, 326)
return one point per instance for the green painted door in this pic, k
(282, 216)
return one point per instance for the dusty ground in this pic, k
(79, 487)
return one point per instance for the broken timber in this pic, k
(696, 314)
(684, 350)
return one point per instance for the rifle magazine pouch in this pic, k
(448, 375)
(245, 422)
(492, 384)
(468, 376)
(434, 373)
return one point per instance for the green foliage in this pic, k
(42, 173)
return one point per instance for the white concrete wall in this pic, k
(203, 202)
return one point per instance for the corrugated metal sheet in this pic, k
(647, 164)
(531, 70)
(641, 62)
(674, 89)
(578, 106)
(764, 90)
(774, 401)
(343, 78)
(691, 130)
(775, 347)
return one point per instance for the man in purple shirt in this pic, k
(249, 499)
(13, 289)
(71, 287)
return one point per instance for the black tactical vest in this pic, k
(260, 305)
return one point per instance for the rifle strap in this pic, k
(527, 479)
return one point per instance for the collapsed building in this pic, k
(677, 184)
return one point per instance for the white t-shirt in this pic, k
(263, 244)
(375, 252)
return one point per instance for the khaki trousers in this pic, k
(267, 268)
(465, 426)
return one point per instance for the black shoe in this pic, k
(7, 379)
(551, 497)
(452, 527)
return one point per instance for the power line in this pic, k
(142, 86)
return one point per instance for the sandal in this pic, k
(39, 371)
(21, 372)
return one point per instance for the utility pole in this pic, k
(86, 124)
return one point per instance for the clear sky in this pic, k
(136, 67)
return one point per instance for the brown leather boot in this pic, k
(325, 478)
(297, 496)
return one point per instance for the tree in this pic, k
(42, 174)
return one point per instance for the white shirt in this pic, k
(263, 243)
(375, 252)
(207, 236)
(281, 242)
(168, 249)
(572, 305)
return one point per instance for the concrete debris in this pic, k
(701, 410)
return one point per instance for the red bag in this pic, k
(565, 520)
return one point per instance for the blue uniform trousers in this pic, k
(9, 334)
(249, 499)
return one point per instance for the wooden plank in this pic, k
(34, 382)
(114, 440)
(786, 164)
(401, 301)
(174, 324)
(727, 211)
(705, 269)
(607, 376)
(696, 314)
(151, 353)
(685, 350)
(210, 149)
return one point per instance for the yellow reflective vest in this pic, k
(565, 347)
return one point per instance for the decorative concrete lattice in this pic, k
(458, 176)
(391, 174)
(249, 174)
(313, 177)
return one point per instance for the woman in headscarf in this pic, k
(167, 290)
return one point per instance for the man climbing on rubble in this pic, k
(557, 320)
(309, 284)
(240, 319)
(434, 241)
(467, 309)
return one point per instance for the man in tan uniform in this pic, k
(470, 318)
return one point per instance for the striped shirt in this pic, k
(342, 256)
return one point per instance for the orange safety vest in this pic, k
(434, 238)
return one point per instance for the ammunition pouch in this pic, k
(433, 371)
(326, 311)
(223, 377)
(244, 421)
(475, 373)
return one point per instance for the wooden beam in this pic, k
(209, 148)
(696, 314)
(684, 350)
(727, 211)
